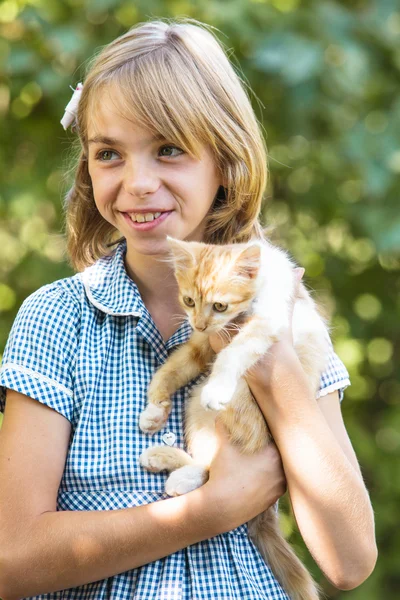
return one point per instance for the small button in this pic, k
(169, 438)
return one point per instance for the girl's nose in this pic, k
(139, 178)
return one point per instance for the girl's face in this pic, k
(135, 176)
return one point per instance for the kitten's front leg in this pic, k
(163, 458)
(160, 389)
(232, 362)
(185, 363)
(185, 477)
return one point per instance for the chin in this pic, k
(149, 247)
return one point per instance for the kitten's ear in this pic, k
(181, 253)
(248, 261)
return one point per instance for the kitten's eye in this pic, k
(220, 307)
(188, 301)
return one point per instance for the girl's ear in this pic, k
(248, 261)
(181, 253)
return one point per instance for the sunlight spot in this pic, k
(367, 307)
(8, 11)
(393, 161)
(351, 352)
(388, 439)
(379, 350)
(301, 180)
(7, 297)
(350, 191)
(376, 121)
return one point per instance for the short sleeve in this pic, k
(40, 353)
(335, 377)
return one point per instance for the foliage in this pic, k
(325, 75)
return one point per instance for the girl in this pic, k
(169, 145)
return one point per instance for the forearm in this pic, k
(68, 549)
(329, 499)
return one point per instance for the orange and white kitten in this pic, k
(255, 283)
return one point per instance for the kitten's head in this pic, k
(216, 283)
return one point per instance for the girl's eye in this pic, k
(220, 306)
(188, 301)
(170, 155)
(104, 155)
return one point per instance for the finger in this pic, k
(218, 341)
(298, 276)
(298, 273)
(222, 338)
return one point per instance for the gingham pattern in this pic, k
(87, 347)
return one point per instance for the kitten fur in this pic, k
(253, 283)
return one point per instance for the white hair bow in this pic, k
(72, 107)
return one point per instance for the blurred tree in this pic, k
(325, 76)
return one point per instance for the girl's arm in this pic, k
(329, 499)
(43, 550)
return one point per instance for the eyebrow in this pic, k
(101, 139)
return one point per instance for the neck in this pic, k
(154, 278)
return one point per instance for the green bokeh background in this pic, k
(325, 76)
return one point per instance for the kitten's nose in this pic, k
(200, 328)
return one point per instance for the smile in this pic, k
(146, 221)
(144, 217)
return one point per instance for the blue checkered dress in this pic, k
(87, 347)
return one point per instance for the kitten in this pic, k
(254, 281)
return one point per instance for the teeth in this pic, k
(141, 218)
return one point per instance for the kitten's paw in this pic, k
(163, 458)
(158, 396)
(154, 459)
(217, 394)
(185, 480)
(153, 418)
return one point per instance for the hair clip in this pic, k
(71, 109)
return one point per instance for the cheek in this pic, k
(225, 317)
(102, 193)
(101, 182)
(221, 319)
(200, 199)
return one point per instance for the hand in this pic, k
(244, 485)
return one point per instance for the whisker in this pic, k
(232, 327)
(220, 334)
(224, 334)
(178, 319)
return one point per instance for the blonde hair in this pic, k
(174, 78)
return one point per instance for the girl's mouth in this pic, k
(147, 225)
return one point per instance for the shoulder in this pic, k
(51, 307)
(63, 292)
(41, 349)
